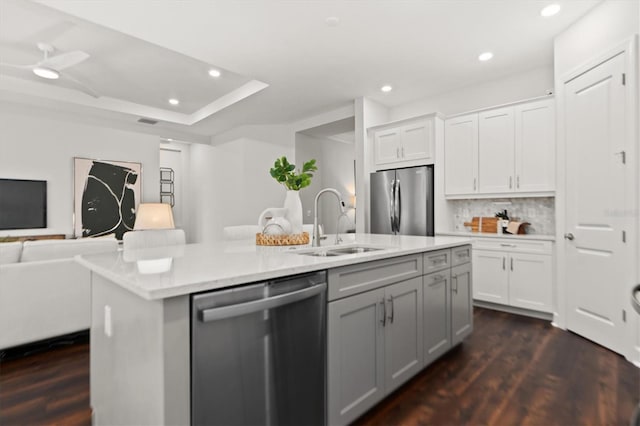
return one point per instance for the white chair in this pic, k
(153, 238)
(240, 232)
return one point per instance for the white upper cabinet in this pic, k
(509, 150)
(410, 143)
(496, 151)
(535, 146)
(461, 155)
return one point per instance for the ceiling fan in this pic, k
(51, 67)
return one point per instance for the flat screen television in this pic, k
(23, 204)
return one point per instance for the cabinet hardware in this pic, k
(384, 312)
(504, 263)
(624, 316)
(507, 245)
(512, 263)
(624, 79)
(438, 278)
(518, 181)
(510, 182)
(474, 184)
(402, 151)
(569, 236)
(397, 152)
(454, 289)
(624, 236)
(392, 310)
(623, 156)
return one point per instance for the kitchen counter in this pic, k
(159, 273)
(466, 234)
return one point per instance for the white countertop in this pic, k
(159, 273)
(506, 236)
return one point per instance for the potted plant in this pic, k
(294, 180)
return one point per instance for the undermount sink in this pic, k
(339, 251)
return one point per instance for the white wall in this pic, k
(32, 147)
(516, 87)
(335, 170)
(230, 182)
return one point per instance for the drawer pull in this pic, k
(508, 245)
(384, 313)
(438, 277)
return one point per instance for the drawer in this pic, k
(460, 255)
(508, 245)
(354, 279)
(436, 260)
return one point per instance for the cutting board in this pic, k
(483, 224)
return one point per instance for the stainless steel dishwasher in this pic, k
(258, 353)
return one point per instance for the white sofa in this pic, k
(44, 293)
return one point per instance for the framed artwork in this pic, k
(106, 196)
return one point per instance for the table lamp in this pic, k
(154, 216)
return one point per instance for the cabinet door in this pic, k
(535, 146)
(461, 155)
(437, 314)
(490, 276)
(355, 355)
(387, 146)
(530, 278)
(461, 303)
(403, 332)
(417, 142)
(496, 151)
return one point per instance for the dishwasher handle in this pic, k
(240, 309)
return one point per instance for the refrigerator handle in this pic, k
(398, 205)
(392, 207)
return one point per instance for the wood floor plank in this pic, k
(512, 370)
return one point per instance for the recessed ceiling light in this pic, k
(46, 72)
(174, 101)
(214, 73)
(386, 88)
(550, 10)
(332, 21)
(485, 56)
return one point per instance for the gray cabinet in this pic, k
(403, 332)
(437, 315)
(461, 305)
(374, 345)
(355, 355)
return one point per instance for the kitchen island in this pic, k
(141, 317)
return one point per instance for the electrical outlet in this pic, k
(108, 326)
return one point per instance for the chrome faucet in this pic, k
(316, 231)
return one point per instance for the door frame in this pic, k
(631, 213)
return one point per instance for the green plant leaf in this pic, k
(286, 174)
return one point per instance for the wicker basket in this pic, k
(282, 240)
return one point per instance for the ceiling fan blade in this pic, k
(65, 60)
(78, 85)
(16, 66)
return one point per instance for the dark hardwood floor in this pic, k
(513, 370)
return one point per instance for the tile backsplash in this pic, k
(539, 212)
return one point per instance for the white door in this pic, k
(595, 257)
(496, 151)
(387, 146)
(417, 141)
(535, 146)
(490, 276)
(461, 155)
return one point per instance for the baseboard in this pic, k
(513, 310)
(44, 345)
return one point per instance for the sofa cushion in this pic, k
(10, 252)
(61, 249)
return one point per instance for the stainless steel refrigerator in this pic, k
(402, 201)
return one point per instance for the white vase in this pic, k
(294, 211)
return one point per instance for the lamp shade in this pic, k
(154, 216)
